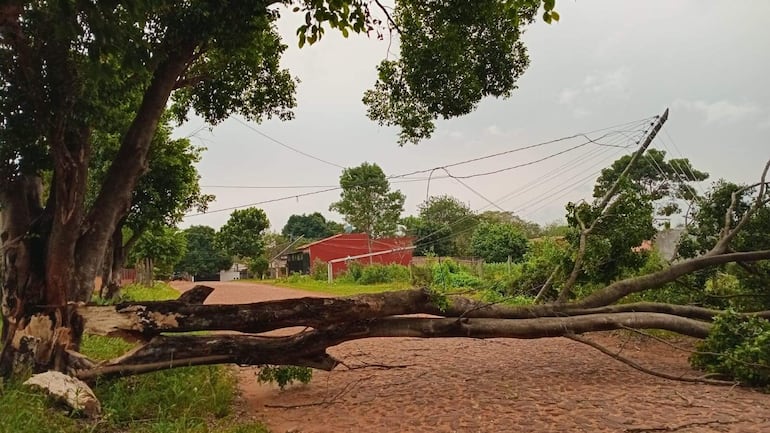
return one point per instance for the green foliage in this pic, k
(737, 347)
(543, 257)
(310, 226)
(444, 227)
(164, 245)
(611, 247)
(203, 255)
(679, 292)
(241, 235)
(319, 270)
(448, 274)
(653, 178)
(284, 375)
(422, 276)
(495, 297)
(496, 242)
(452, 55)
(377, 273)
(258, 266)
(339, 287)
(366, 201)
(530, 229)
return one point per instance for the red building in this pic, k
(342, 246)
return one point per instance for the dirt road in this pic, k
(463, 385)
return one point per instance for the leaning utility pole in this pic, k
(604, 205)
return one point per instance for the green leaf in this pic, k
(549, 4)
(555, 15)
(547, 17)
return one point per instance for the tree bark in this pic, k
(308, 348)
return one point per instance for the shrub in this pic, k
(737, 347)
(422, 276)
(450, 275)
(284, 375)
(319, 271)
(377, 273)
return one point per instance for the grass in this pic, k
(337, 287)
(192, 399)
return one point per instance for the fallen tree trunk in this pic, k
(308, 348)
(147, 319)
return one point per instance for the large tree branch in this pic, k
(620, 289)
(308, 348)
(152, 318)
(114, 198)
(728, 234)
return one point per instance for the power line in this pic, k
(293, 149)
(405, 175)
(575, 185)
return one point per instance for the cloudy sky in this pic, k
(602, 70)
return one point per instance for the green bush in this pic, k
(374, 274)
(448, 274)
(737, 347)
(422, 276)
(284, 375)
(377, 273)
(320, 270)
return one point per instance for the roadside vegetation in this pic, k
(192, 399)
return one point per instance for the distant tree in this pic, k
(554, 229)
(446, 226)
(530, 229)
(495, 242)
(366, 201)
(241, 236)
(203, 257)
(159, 248)
(311, 226)
(258, 266)
(654, 178)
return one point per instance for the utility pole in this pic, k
(604, 206)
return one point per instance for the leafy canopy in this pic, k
(444, 227)
(241, 236)
(495, 242)
(366, 201)
(203, 257)
(654, 178)
(310, 226)
(453, 53)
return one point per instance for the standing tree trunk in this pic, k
(37, 328)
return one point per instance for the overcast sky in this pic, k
(606, 63)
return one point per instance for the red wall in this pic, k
(355, 244)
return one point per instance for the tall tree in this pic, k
(69, 69)
(445, 227)
(498, 242)
(311, 226)
(160, 248)
(366, 201)
(241, 236)
(203, 257)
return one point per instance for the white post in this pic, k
(330, 275)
